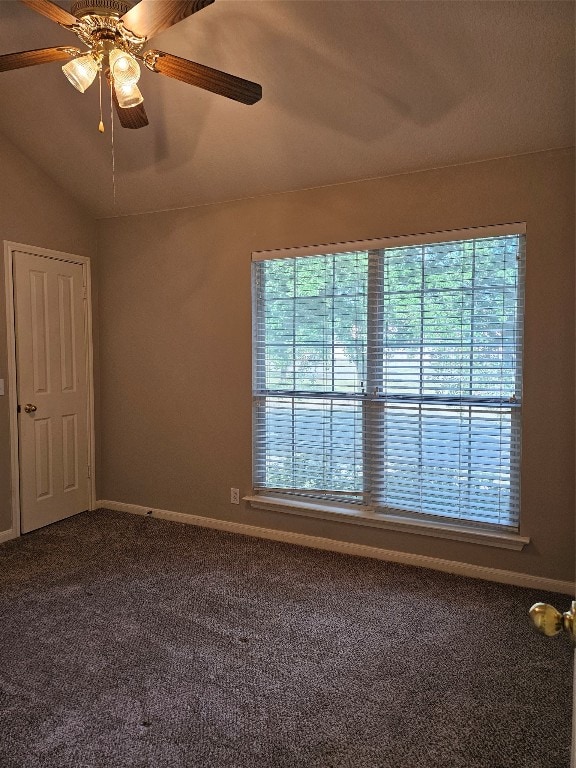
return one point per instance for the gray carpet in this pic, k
(127, 641)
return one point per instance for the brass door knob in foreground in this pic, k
(550, 622)
(29, 408)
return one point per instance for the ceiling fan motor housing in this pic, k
(118, 8)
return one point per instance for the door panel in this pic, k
(52, 378)
(67, 332)
(70, 451)
(39, 328)
(43, 457)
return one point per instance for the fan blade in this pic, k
(41, 56)
(52, 12)
(148, 17)
(204, 77)
(135, 117)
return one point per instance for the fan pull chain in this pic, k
(112, 141)
(101, 125)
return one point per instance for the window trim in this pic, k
(366, 516)
(464, 531)
(422, 238)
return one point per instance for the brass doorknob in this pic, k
(29, 408)
(550, 622)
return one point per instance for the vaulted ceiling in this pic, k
(352, 89)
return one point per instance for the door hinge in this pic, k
(89, 471)
(84, 290)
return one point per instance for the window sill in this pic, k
(367, 517)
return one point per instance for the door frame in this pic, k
(9, 249)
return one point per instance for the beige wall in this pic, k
(176, 349)
(33, 211)
(175, 422)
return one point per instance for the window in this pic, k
(387, 375)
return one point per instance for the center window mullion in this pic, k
(373, 420)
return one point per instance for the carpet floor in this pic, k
(132, 642)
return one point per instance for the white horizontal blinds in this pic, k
(444, 434)
(309, 369)
(390, 373)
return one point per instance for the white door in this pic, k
(52, 386)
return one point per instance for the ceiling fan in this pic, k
(115, 33)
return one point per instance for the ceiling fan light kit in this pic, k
(124, 68)
(128, 95)
(82, 71)
(115, 33)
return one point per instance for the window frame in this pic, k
(285, 500)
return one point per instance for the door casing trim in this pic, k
(9, 249)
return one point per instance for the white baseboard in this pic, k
(345, 547)
(7, 535)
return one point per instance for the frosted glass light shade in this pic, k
(124, 68)
(81, 72)
(128, 95)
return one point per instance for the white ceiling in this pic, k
(352, 89)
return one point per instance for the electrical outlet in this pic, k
(234, 496)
